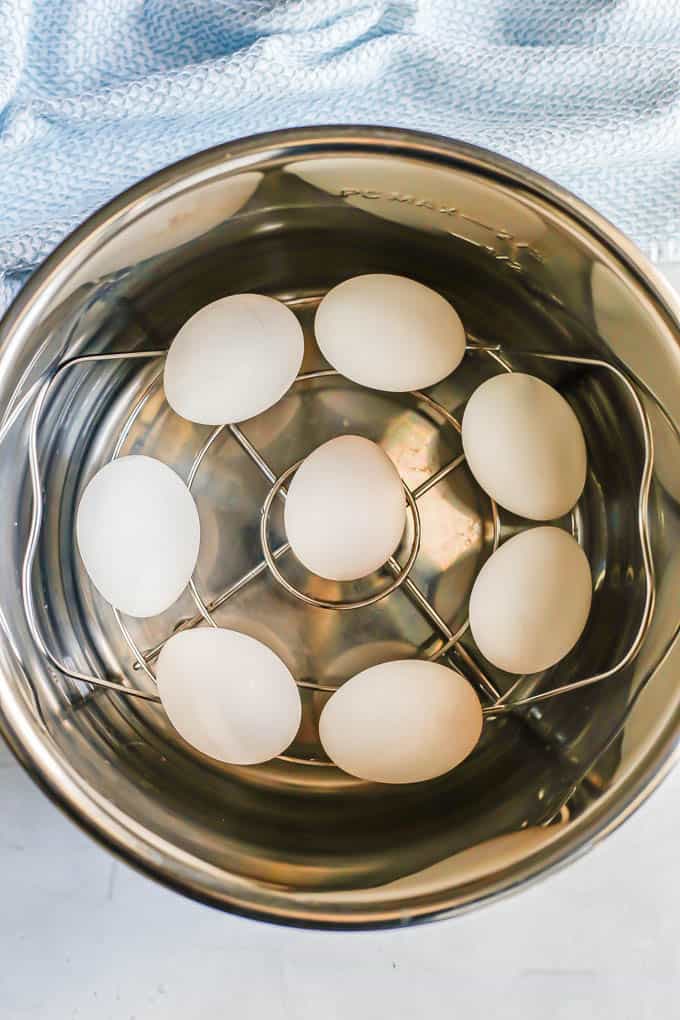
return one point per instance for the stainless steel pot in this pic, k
(290, 214)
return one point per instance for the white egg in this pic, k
(389, 332)
(138, 533)
(233, 359)
(530, 601)
(524, 445)
(401, 722)
(228, 695)
(345, 511)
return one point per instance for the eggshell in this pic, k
(345, 511)
(233, 359)
(228, 695)
(401, 722)
(138, 533)
(524, 445)
(530, 601)
(389, 332)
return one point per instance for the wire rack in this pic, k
(449, 647)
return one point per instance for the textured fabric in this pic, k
(95, 94)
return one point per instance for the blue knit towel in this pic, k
(95, 94)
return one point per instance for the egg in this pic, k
(389, 332)
(228, 695)
(401, 722)
(233, 359)
(530, 601)
(138, 534)
(524, 445)
(345, 510)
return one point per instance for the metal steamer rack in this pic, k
(449, 649)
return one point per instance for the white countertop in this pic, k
(84, 936)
